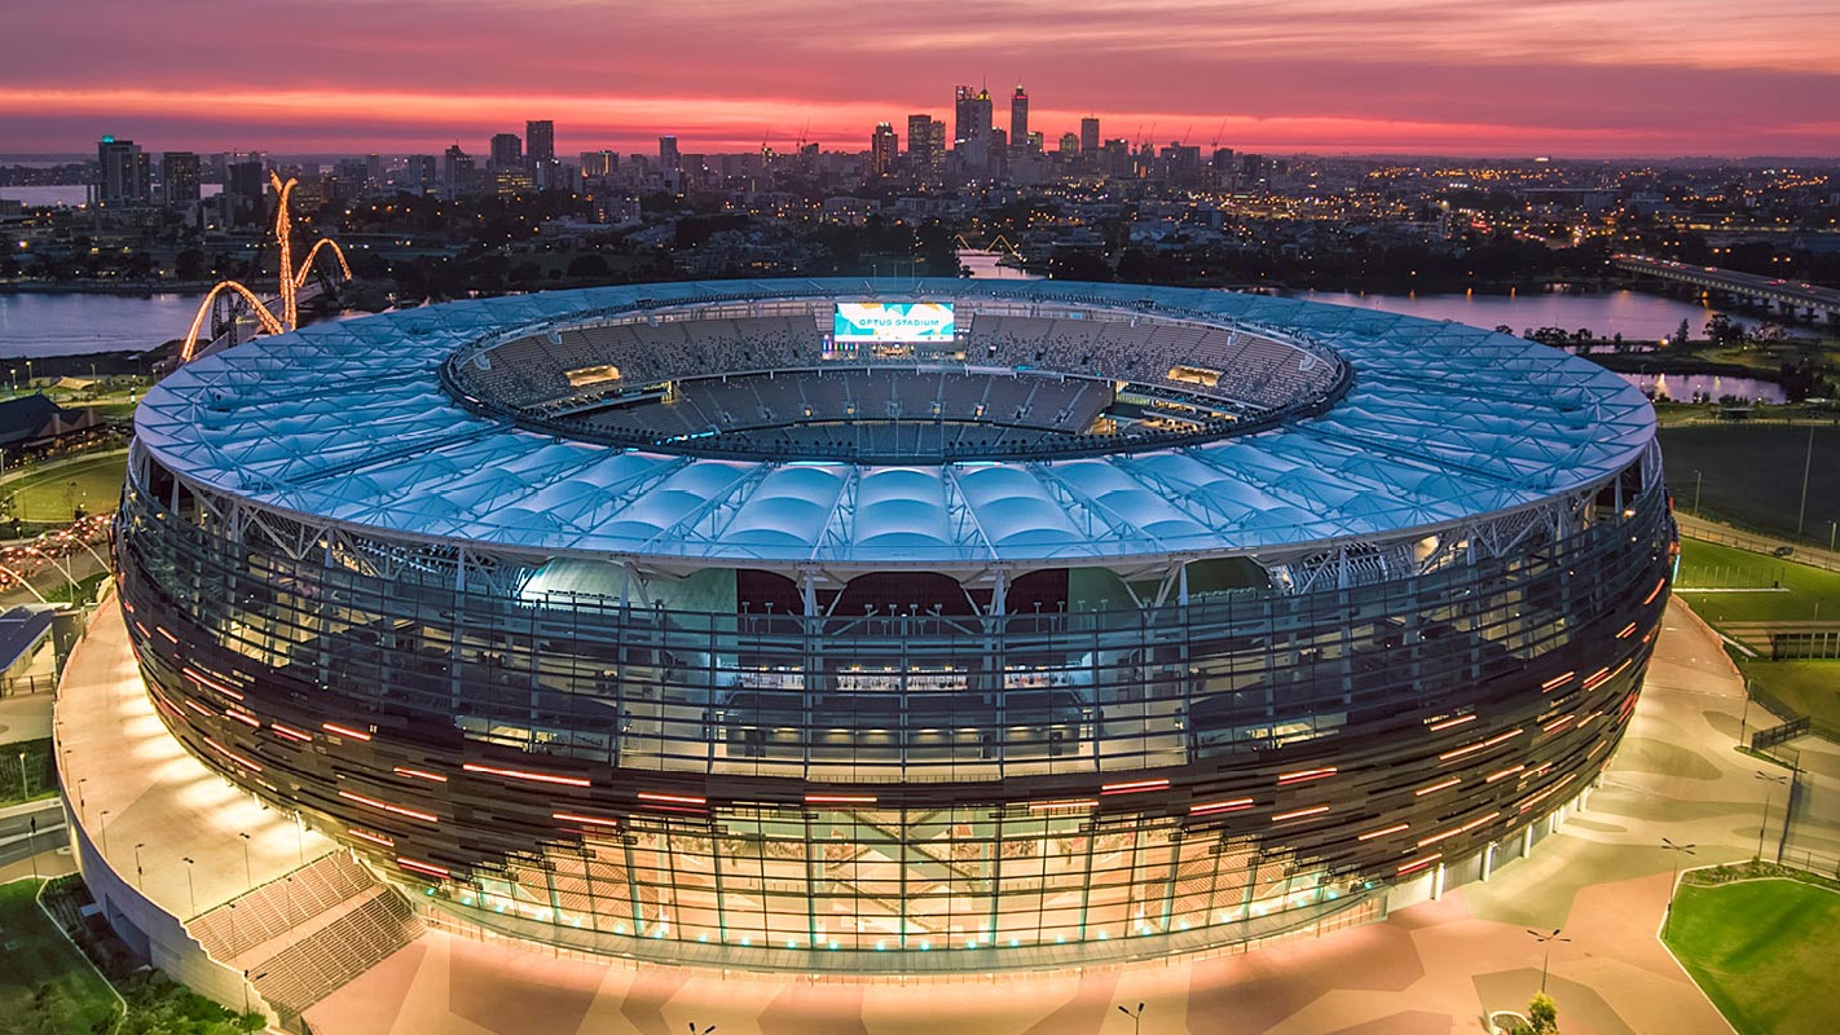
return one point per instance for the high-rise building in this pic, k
(962, 97)
(1070, 145)
(126, 176)
(507, 151)
(974, 143)
(883, 147)
(244, 182)
(668, 157)
(1089, 135)
(456, 172)
(540, 141)
(421, 172)
(936, 149)
(179, 178)
(1019, 118)
(920, 143)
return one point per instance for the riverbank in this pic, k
(130, 288)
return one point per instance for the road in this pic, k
(17, 842)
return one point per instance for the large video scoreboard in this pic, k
(856, 324)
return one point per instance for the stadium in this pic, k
(873, 626)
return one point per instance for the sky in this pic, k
(1567, 78)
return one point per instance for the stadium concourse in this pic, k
(1433, 967)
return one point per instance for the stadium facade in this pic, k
(700, 622)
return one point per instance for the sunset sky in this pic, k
(1473, 77)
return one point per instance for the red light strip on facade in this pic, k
(1383, 831)
(1503, 773)
(420, 774)
(1437, 727)
(1556, 682)
(246, 720)
(1653, 593)
(1215, 807)
(170, 638)
(1464, 829)
(1134, 787)
(1440, 785)
(1596, 679)
(231, 755)
(1420, 863)
(576, 817)
(343, 731)
(421, 867)
(376, 839)
(520, 774)
(291, 733)
(1063, 806)
(1557, 724)
(1314, 810)
(195, 706)
(198, 677)
(1627, 630)
(679, 799)
(387, 807)
(1305, 776)
(839, 799)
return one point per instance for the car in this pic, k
(1783, 551)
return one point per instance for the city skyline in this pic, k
(1577, 79)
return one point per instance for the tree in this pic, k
(589, 266)
(1680, 333)
(1543, 1013)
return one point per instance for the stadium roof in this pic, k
(347, 422)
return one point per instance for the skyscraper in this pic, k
(540, 141)
(1089, 135)
(179, 178)
(920, 144)
(126, 175)
(883, 147)
(974, 113)
(962, 97)
(507, 151)
(1019, 118)
(667, 153)
(456, 172)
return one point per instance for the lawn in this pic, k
(1809, 687)
(1751, 475)
(1810, 591)
(36, 956)
(50, 496)
(1762, 951)
(40, 777)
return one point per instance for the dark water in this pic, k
(34, 325)
(1634, 315)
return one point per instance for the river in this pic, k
(1633, 314)
(36, 324)
(74, 195)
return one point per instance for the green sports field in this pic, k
(1763, 951)
(1751, 474)
(1780, 590)
(51, 495)
(38, 965)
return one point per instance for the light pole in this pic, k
(694, 1030)
(191, 892)
(1546, 941)
(1137, 1018)
(1771, 780)
(140, 875)
(1807, 465)
(103, 822)
(1697, 479)
(24, 791)
(1674, 852)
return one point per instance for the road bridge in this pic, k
(1790, 296)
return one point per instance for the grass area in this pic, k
(1761, 950)
(52, 495)
(1751, 475)
(84, 592)
(39, 779)
(1810, 687)
(1805, 592)
(46, 985)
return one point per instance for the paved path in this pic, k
(1433, 968)
(1714, 532)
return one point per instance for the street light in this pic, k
(140, 876)
(24, 791)
(1546, 941)
(1697, 477)
(1772, 780)
(1674, 852)
(191, 892)
(694, 1030)
(1137, 1018)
